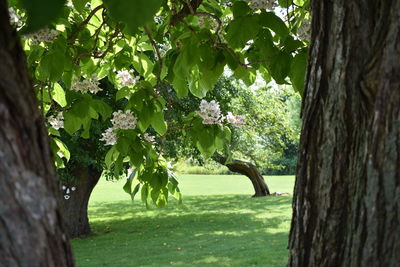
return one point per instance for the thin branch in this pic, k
(84, 23)
(189, 8)
(153, 43)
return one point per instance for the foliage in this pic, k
(158, 43)
(211, 227)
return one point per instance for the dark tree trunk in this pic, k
(347, 193)
(31, 231)
(75, 208)
(246, 168)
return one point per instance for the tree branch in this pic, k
(186, 10)
(84, 23)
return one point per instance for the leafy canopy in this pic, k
(146, 49)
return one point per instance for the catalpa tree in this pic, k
(142, 48)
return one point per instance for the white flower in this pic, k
(263, 4)
(66, 197)
(126, 78)
(121, 120)
(64, 187)
(67, 191)
(56, 122)
(88, 85)
(237, 120)
(124, 120)
(44, 35)
(109, 137)
(73, 188)
(14, 18)
(210, 112)
(304, 30)
(230, 118)
(149, 138)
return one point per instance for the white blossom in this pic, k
(109, 137)
(304, 30)
(44, 35)
(210, 112)
(149, 138)
(263, 4)
(14, 18)
(88, 85)
(66, 197)
(124, 120)
(237, 120)
(73, 188)
(121, 120)
(64, 187)
(56, 122)
(67, 191)
(126, 78)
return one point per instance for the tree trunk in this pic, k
(75, 208)
(246, 168)
(347, 192)
(31, 231)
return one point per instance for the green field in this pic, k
(218, 224)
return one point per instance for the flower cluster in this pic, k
(237, 120)
(304, 30)
(126, 78)
(109, 137)
(205, 22)
(263, 4)
(124, 120)
(14, 18)
(68, 191)
(149, 138)
(87, 85)
(210, 112)
(57, 121)
(43, 35)
(121, 120)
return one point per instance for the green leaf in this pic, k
(127, 186)
(241, 30)
(298, 71)
(63, 148)
(158, 123)
(72, 123)
(273, 22)
(240, 9)
(79, 4)
(41, 12)
(102, 108)
(111, 157)
(58, 95)
(180, 87)
(134, 13)
(279, 67)
(145, 193)
(285, 3)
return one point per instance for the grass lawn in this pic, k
(217, 225)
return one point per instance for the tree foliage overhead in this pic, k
(146, 49)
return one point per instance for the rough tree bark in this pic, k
(75, 208)
(31, 232)
(246, 168)
(347, 192)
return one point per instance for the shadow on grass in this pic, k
(231, 230)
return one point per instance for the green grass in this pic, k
(217, 225)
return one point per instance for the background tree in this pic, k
(346, 203)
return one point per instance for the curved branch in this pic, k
(186, 10)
